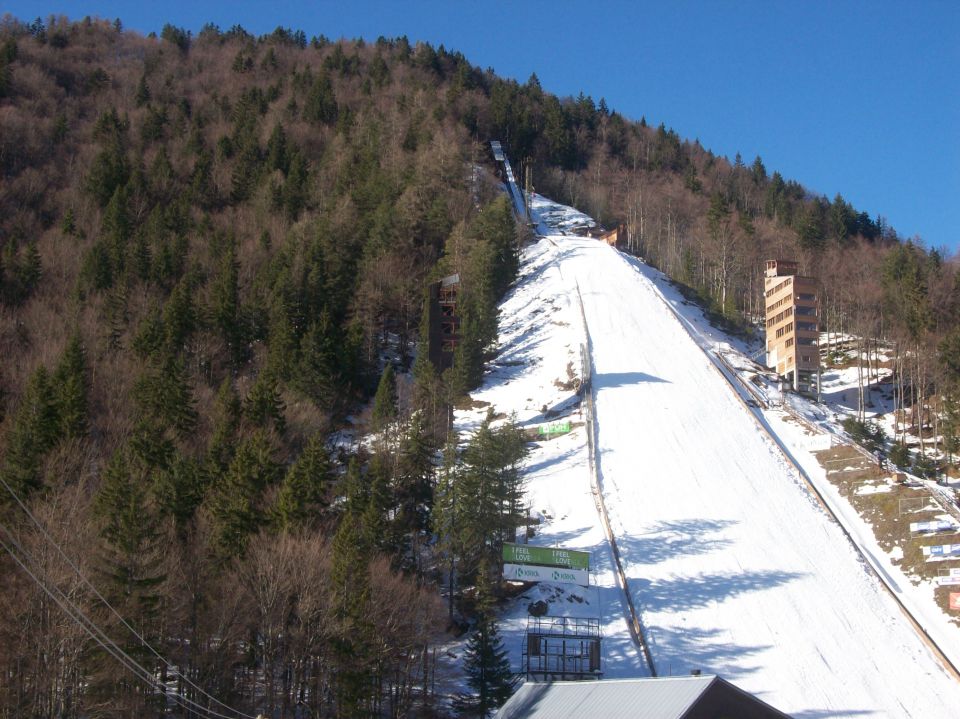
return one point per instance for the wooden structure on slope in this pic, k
(612, 237)
(443, 331)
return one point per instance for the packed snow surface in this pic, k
(733, 565)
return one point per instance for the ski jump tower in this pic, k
(792, 311)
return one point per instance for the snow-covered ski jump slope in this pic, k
(734, 567)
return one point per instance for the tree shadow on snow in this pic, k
(552, 461)
(675, 538)
(697, 591)
(678, 651)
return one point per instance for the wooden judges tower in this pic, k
(443, 322)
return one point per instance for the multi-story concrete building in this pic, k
(792, 305)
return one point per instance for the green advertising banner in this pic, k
(554, 428)
(545, 556)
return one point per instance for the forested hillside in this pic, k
(213, 250)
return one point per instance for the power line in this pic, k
(96, 633)
(117, 614)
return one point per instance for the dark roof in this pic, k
(687, 697)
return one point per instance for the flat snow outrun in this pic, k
(735, 568)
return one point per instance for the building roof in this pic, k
(652, 698)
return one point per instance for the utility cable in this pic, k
(106, 603)
(117, 614)
(96, 633)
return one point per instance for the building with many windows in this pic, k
(792, 320)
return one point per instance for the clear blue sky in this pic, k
(861, 98)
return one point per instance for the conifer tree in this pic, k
(201, 186)
(283, 342)
(350, 600)
(108, 172)
(132, 565)
(130, 531)
(226, 304)
(486, 664)
(31, 269)
(353, 489)
(317, 372)
(226, 423)
(385, 401)
(149, 339)
(304, 491)
(116, 229)
(320, 106)
(179, 489)
(33, 433)
(295, 187)
(277, 153)
(6, 77)
(376, 526)
(72, 389)
(150, 444)
(413, 492)
(179, 317)
(490, 494)
(164, 396)
(142, 94)
(264, 406)
(236, 502)
(246, 171)
(497, 226)
(446, 507)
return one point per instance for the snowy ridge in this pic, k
(734, 566)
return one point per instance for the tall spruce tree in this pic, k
(227, 411)
(304, 493)
(72, 389)
(132, 565)
(385, 401)
(165, 398)
(413, 489)
(237, 495)
(34, 432)
(486, 663)
(264, 406)
(446, 508)
(490, 494)
(350, 606)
